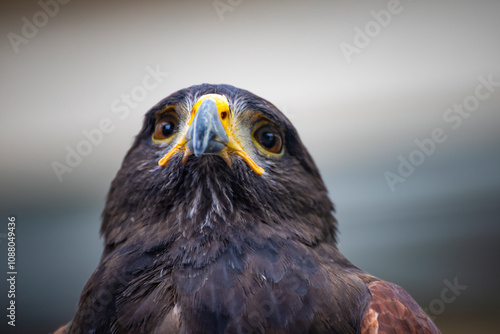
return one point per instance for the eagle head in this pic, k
(212, 162)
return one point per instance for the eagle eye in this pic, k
(166, 127)
(269, 138)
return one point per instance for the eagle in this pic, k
(218, 221)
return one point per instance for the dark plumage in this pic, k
(205, 244)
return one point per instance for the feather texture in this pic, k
(204, 247)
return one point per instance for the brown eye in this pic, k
(166, 127)
(269, 138)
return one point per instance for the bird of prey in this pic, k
(218, 221)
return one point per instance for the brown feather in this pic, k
(393, 310)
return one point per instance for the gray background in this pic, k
(356, 119)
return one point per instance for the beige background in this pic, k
(356, 119)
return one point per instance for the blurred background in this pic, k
(363, 81)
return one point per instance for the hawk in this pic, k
(218, 221)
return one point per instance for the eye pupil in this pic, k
(268, 139)
(168, 129)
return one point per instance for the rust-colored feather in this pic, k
(393, 310)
